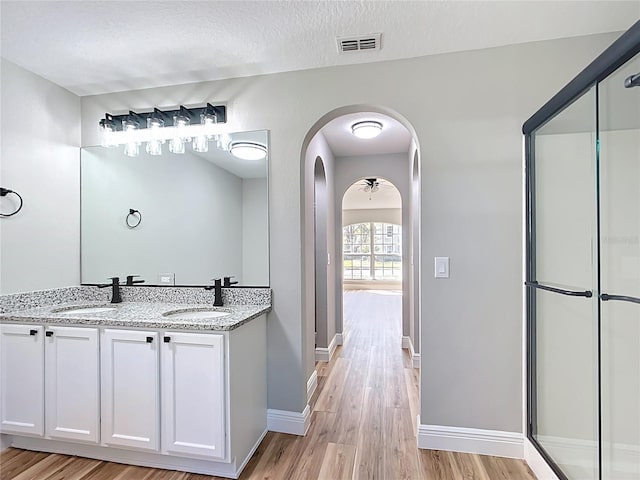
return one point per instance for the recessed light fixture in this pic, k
(248, 150)
(366, 129)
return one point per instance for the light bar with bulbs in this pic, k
(178, 127)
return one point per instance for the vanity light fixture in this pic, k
(367, 129)
(248, 150)
(132, 129)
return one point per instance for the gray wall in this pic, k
(40, 160)
(255, 229)
(466, 110)
(192, 217)
(360, 215)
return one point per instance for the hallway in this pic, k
(363, 422)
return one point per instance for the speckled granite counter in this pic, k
(139, 315)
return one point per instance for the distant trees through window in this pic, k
(372, 251)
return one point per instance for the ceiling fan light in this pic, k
(248, 150)
(367, 129)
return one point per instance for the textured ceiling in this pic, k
(94, 47)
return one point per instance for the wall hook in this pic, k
(132, 216)
(3, 193)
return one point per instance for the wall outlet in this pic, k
(167, 278)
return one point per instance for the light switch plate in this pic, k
(167, 278)
(441, 267)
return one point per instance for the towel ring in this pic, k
(135, 215)
(4, 192)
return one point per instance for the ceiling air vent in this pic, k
(359, 43)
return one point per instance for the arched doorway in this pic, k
(319, 143)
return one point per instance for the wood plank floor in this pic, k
(363, 422)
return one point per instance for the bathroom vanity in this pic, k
(163, 384)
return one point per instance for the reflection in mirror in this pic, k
(197, 216)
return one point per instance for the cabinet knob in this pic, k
(149, 339)
(49, 333)
(167, 339)
(33, 332)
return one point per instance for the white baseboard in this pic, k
(471, 440)
(312, 384)
(284, 421)
(415, 359)
(407, 344)
(340, 337)
(326, 354)
(130, 457)
(536, 463)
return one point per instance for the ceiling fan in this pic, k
(372, 185)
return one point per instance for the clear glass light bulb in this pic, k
(154, 145)
(176, 145)
(108, 131)
(208, 122)
(131, 148)
(200, 144)
(181, 123)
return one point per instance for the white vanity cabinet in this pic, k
(193, 394)
(50, 382)
(189, 400)
(22, 379)
(130, 389)
(72, 384)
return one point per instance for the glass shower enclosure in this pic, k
(582, 163)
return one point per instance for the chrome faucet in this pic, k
(217, 288)
(115, 289)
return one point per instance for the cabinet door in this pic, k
(130, 389)
(22, 379)
(72, 383)
(193, 411)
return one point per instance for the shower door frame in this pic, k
(620, 52)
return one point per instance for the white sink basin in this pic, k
(85, 310)
(195, 314)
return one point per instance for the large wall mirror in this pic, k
(201, 215)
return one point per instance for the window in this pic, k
(372, 251)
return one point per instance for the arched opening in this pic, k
(342, 164)
(324, 329)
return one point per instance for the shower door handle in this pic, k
(605, 297)
(561, 291)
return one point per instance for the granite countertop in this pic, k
(139, 315)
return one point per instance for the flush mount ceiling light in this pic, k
(366, 129)
(201, 124)
(248, 150)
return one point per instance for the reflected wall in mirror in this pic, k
(203, 216)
